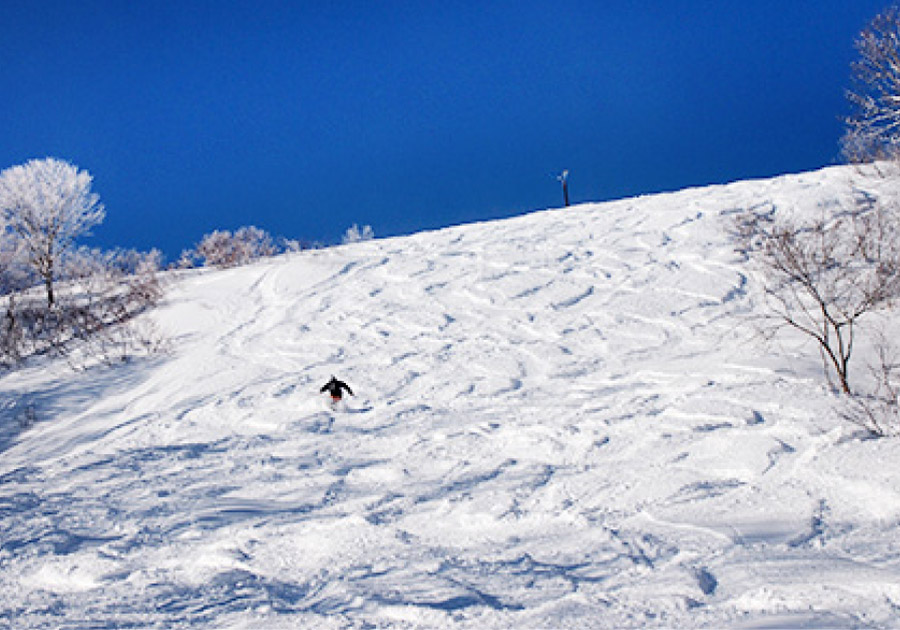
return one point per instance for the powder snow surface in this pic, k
(563, 420)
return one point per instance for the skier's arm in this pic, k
(347, 387)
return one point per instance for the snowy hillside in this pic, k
(561, 421)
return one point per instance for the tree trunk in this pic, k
(48, 283)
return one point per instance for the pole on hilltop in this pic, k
(564, 178)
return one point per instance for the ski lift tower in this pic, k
(564, 178)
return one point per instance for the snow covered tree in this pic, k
(252, 243)
(46, 204)
(873, 130)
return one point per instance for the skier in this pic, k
(335, 389)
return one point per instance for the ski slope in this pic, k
(562, 420)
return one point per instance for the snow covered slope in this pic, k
(562, 420)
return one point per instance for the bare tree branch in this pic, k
(822, 276)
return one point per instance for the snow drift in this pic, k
(562, 420)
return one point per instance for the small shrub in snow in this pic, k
(187, 260)
(356, 234)
(292, 246)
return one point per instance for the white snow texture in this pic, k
(561, 420)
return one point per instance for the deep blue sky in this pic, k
(305, 117)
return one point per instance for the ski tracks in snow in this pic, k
(561, 420)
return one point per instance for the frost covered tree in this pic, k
(254, 243)
(222, 248)
(14, 275)
(873, 129)
(45, 205)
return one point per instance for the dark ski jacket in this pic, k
(334, 388)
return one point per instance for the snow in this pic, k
(562, 420)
